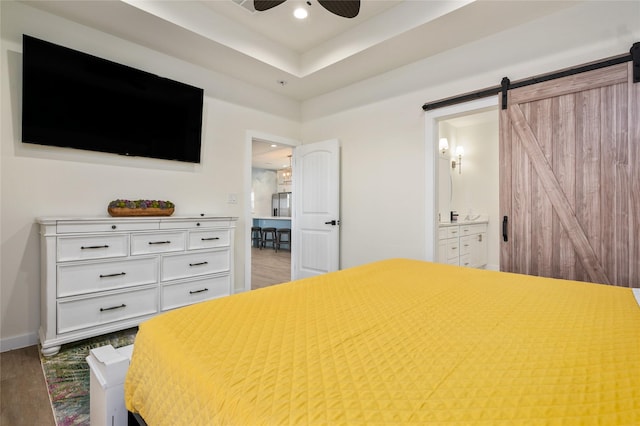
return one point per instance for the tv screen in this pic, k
(72, 99)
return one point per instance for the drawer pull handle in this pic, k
(199, 263)
(210, 239)
(93, 247)
(113, 275)
(454, 248)
(113, 307)
(198, 291)
(159, 242)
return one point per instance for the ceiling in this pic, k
(270, 156)
(300, 59)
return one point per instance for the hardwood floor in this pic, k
(24, 400)
(269, 267)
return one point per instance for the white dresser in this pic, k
(463, 244)
(99, 275)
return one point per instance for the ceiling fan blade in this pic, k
(344, 8)
(262, 5)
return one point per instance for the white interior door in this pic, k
(316, 213)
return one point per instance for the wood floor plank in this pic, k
(24, 399)
(269, 268)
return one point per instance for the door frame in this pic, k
(432, 119)
(250, 135)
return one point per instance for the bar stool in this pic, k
(256, 236)
(280, 232)
(268, 235)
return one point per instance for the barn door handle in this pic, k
(505, 223)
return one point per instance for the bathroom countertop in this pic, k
(463, 222)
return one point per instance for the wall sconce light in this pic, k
(459, 153)
(443, 146)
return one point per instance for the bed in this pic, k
(397, 341)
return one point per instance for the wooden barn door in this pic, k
(570, 178)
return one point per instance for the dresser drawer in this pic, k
(104, 226)
(208, 239)
(194, 264)
(92, 247)
(82, 313)
(180, 294)
(88, 277)
(157, 243)
(194, 224)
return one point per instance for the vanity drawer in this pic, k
(465, 245)
(208, 239)
(80, 313)
(179, 266)
(157, 243)
(92, 247)
(453, 249)
(465, 260)
(180, 294)
(443, 233)
(453, 261)
(89, 277)
(473, 229)
(452, 232)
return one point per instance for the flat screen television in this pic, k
(72, 99)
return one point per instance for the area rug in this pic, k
(67, 376)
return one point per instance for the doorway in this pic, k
(457, 122)
(268, 168)
(471, 188)
(271, 178)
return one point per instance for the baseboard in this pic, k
(18, 342)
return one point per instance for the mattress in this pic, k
(395, 342)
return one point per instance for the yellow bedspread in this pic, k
(395, 342)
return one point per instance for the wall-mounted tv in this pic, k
(72, 99)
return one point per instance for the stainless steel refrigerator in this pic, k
(281, 204)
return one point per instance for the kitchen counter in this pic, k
(272, 221)
(272, 218)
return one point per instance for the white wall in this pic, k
(263, 184)
(44, 181)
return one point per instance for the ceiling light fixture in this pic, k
(300, 13)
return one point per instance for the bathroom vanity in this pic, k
(463, 243)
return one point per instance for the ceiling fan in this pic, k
(344, 8)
